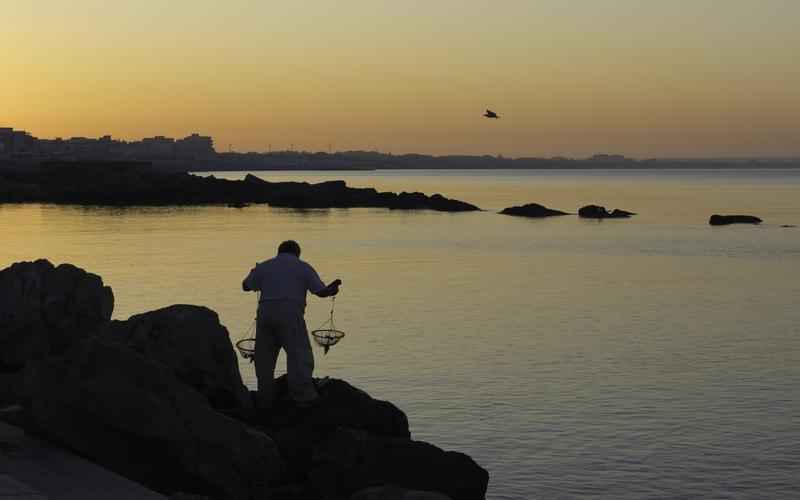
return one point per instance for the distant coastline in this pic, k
(372, 161)
(369, 160)
(196, 153)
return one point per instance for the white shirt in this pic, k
(284, 277)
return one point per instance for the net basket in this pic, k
(247, 348)
(327, 337)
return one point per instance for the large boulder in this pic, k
(395, 493)
(190, 341)
(45, 309)
(599, 212)
(724, 220)
(339, 405)
(532, 210)
(132, 415)
(351, 460)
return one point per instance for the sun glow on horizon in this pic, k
(705, 78)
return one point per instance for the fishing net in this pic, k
(246, 345)
(327, 335)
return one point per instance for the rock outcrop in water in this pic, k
(532, 210)
(724, 220)
(599, 212)
(125, 184)
(158, 398)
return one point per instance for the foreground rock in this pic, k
(120, 183)
(532, 210)
(132, 415)
(351, 460)
(45, 309)
(724, 220)
(190, 341)
(340, 405)
(599, 212)
(395, 493)
(158, 399)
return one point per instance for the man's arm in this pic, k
(330, 290)
(249, 285)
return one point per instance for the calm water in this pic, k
(655, 357)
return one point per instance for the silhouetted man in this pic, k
(283, 282)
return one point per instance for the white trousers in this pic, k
(280, 325)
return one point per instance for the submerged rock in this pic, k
(532, 210)
(191, 341)
(45, 309)
(724, 220)
(132, 415)
(599, 212)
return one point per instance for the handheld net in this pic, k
(246, 345)
(327, 335)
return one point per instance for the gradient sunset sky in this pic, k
(568, 77)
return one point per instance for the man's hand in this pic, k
(330, 290)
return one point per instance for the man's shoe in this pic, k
(321, 382)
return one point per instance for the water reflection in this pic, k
(655, 355)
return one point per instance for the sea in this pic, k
(650, 357)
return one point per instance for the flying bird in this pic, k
(490, 114)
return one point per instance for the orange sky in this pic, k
(642, 78)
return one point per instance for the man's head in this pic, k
(289, 246)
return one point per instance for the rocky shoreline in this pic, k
(159, 399)
(136, 183)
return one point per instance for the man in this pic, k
(283, 282)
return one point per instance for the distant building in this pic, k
(6, 140)
(609, 158)
(17, 143)
(193, 147)
(20, 143)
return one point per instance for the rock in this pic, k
(136, 183)
(598, 212)
(191, 341)
(724, 220)
(145, 397)
(395, 493)
(339, 405)
(352, 460)
(45, 309)
(11, 388)
(532, 210)
(132, 415)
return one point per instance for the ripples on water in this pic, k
(653, 357)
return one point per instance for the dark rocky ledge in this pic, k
(126, 184)
(598, 212)
(159, 399)
(724, 220)
(532, 210)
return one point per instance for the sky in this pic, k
(646, 78)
